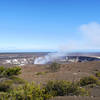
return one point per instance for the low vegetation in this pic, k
(25, 92)
(17, 80)
(54, 67)
(41, 73)
(30, 91)
(98, 74)
(62, 88)
(6, 72)
(88, 80)
(15, 88)
(5, 86)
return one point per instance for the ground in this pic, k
(70, 72)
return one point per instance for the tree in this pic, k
(54, 67)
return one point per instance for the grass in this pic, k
(41, 73)
(17, 80)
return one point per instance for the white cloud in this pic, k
(91, 33)
(89, 40)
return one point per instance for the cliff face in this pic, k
(19, 58)
(19, 61)
(30, 58)
(81, 58)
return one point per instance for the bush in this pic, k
(98, 74)
(41, 73)
(82, 92)
(5, 85)
(54, 67)
(17, 80)
(98, 83)
(61, 88)
(4, 96)
(29, 92)
(57, 88)
(2, 69)
(74, 89)
(12, 71)
(88, 80)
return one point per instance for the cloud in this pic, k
(89, 38)
(91, 33)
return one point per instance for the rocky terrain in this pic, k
(70, 72)
(72, 68)
(21, 59)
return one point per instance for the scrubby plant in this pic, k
(98, 83)
(98, 74)
(75, 89)
(28, 92)
(12, 71)
(9, 71)
(41, 73)
(88, 80)
(2, 69)
(61, 88)
(57, 87)
(17, 80)
(5, 85)
(4, 96)
(54, 67)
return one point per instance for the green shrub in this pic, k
(9, 71)
(61, 88)
(30, 92)
(88, 80)
(4, 96)
(92, 85)
(41, 73)
(98, 83)
(5, 85)
(12, 71)
(54, 67)
(74, 89)
(57, 88)
(98, 74)
(82, 92)
(17, 80)
(2, 69)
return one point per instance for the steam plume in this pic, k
(49, 58)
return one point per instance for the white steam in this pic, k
(49, 58)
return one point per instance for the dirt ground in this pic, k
(75, 98)
(70, 72)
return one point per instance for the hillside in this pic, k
(70, 72)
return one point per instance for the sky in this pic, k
(49, 25)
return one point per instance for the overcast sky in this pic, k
(49, 25)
